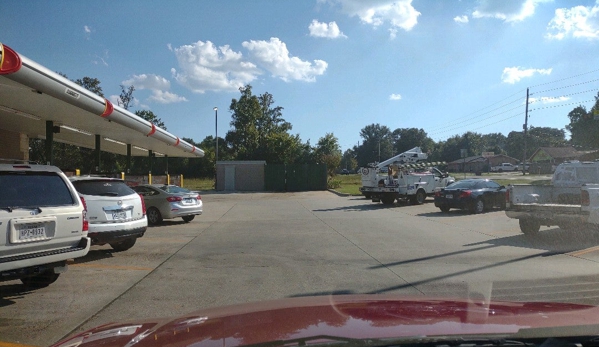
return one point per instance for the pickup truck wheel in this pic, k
(420, 197)
(154, 216)
(188, 219)
(123, 245)
(41, 280)
(367, 196)
(529, 226)
(388, 200)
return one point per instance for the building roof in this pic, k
(32, 95)
(560, 152)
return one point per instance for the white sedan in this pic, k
(169, 201)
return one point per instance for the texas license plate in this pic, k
(449, 196)
(119, 215)
(29, 233)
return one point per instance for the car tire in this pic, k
(154, 216)
(123, 245)
(529, 226)
(188, 219)
(367, 196)
(420, 197)
(444, 209)
(41, 280)
(478, 206)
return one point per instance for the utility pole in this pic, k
(525, 132)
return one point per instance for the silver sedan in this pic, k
(169, 201)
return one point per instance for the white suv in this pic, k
(116, 213)
(42, 223)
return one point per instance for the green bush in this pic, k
(333, 183)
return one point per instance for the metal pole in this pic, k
(216, 153)
(525, 131)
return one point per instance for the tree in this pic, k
(377, 145)
(584, 126)
(405, 139)
(151, 117)
(536, 137)
(126, 96)
(259, 130)
(91, 84)
(328, 151)
(348, 160)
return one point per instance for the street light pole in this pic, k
(216, 138)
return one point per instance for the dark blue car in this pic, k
(475, 195)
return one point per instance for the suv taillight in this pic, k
(143, 204)
(507, 195)
(174, 198)
(84, 215)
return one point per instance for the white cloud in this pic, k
(166, 97)
(203, 66)
(577, 22)
(512, 75)
(508, 11)
(87, 29)
(461, 19)
(158, 85)
(548, 99)
(330, 30)
(274, 56)
(395, 97)
(395, 13)
(150, 81)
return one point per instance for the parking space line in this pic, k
(583, 251)
(10, 344)
(113, 267)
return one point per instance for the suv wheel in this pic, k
(154, 216)
(41, 280)
(123, 245)
(188, 219)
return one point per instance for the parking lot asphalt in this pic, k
(250, 247)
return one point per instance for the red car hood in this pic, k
(349, 316)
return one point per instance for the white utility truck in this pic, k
(407, 177)
(571, 202)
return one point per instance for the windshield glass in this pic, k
(304, 170)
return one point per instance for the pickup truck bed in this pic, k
(535, 205)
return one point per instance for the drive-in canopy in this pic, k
(31, 96)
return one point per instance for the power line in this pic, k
(563, 79)
(568, 86)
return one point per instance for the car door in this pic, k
(494, 192)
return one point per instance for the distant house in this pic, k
(545, 159)
(555, 155)
(479, 163)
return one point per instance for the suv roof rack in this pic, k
(17, 161)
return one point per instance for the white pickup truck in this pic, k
(570, 202)
(504, 167)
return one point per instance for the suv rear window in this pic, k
(103, 188)
(33, 189)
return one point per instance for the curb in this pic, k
(339, 194)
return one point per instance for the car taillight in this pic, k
(143, 204)
(84, 215)
(438, 193)
(466, 194)
(585, 199)
(507, 196)
(174, 198)
(199, 197)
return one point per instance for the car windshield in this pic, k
(298, 172)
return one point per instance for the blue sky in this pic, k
(335, 66)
